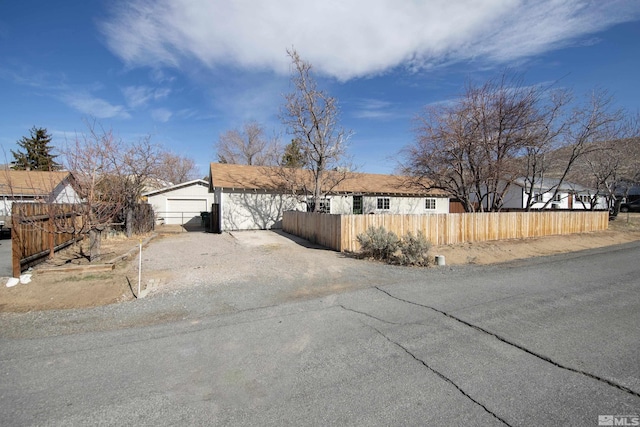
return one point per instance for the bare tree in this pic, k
(611, 165)
(111, 175)
(476, 147)
(176, 169)
(247, 146)
(470, 147)
(91, 156)
(312, 118)
(584, 132)
(137, 166)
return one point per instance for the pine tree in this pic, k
(37, 152)
(293, 156)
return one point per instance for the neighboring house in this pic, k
(181, 203)
(569, 195)
(36, 187)
(627, 191)
(255, 197)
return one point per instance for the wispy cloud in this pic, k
(140, 96)
(88, 104)
(374, 109)
(28, 76)
(351, 38)
(161, 115)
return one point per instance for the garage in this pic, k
(185, 211)
(181, 204)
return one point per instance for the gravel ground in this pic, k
(191, 276)
(217, 274)
(280, 265)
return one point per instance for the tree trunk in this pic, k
(129, 222)
(95, 239)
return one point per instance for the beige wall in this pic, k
(397, 205)
(255, 211)
(247, 210)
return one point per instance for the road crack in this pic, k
(518, 346)
(440, 375)
(389, 322)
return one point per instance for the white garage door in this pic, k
(183, 211)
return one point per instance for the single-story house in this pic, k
(36, 187)
(569, 195)
(255, 197)
(182, 203)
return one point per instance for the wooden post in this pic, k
(51, 232)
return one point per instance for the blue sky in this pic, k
(185, 71)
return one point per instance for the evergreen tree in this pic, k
(37, 152)
(293, 156)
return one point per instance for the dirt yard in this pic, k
(62, 283)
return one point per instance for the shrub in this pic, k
(414, 250)
(378, 243)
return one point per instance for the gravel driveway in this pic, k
(253, 266)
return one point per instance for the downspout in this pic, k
(220, 209)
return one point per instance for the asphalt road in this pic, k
(550, 341)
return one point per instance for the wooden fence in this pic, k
(339, 232)
(38, 231)
(41, 229)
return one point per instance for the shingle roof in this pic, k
(30, 183)
(176, 186)
(268, 178)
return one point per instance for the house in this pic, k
(569, 195)
(255, 197)
(182, 203)
(36, 187)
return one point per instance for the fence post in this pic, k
(16, 253)
(50, 232)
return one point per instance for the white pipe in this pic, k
(139, 268)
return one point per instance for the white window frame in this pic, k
(325, 205)
(385, 202)
(430, 204)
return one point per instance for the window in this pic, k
(325, 205)
(383, 203)
(583, 198)
(537, 198)
(357, 205)
(430, 204)
(557, 198)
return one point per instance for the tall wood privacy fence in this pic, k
(339, 232)
(37, 231)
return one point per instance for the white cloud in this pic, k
(351, 38)
(161, 115)
(96, 107)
